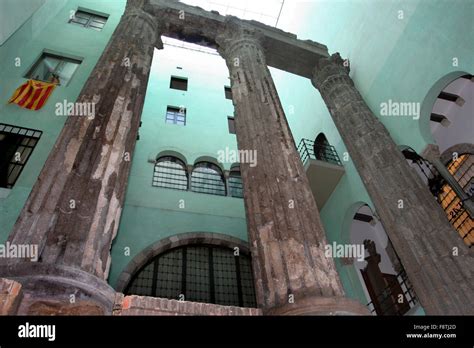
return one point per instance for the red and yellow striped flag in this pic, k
(32, 94)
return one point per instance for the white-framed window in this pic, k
(89, 20)
(176, 115)
(53, 68)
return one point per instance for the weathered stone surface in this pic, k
(10, 296)
(57, 287)
(285, 232)
(321, 306)
(74, 208)
(421, 235)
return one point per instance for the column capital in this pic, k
(431, 153)
(151, 29)
(328, 67)
(235, 36)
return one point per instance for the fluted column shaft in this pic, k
(285, 232)
(74, 208)
(435, 259)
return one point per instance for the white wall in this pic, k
(461, 118)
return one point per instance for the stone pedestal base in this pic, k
(59, 290)
(320, 306)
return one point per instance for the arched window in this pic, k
(235, 183)
(323, 151)
(448, 115)
(462, 169)
(200, 273)
(170, 172)
(320, 146)
(208, 178)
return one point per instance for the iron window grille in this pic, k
(16, 147)
(170, 172)
(88, 20)
(208, 178)
(200, 273)
(386, 302)
(179, 83)
(236, 188)
(308, 149)
(53, 68)
(176, 115)
(463, 171)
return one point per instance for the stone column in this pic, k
(285, 232)
(436, 260)
(74, 208)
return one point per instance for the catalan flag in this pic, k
(33, 94)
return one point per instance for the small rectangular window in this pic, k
(176, 115)
(53, 68)
(87, 19)
(231, 123)
(16, 146)
(180, 83)
(228, 92)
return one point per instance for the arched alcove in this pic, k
(381, 273)
(432, 104)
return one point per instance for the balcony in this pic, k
(323, 168)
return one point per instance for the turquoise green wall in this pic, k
(151, 213)
(46, 29)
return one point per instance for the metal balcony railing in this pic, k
(308, 149)
(386, 302)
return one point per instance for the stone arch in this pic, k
(235, 166)
(463, 148)
(347, 221)
(210, 159)
(159, 247)
(153, 156)
(172, 153)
